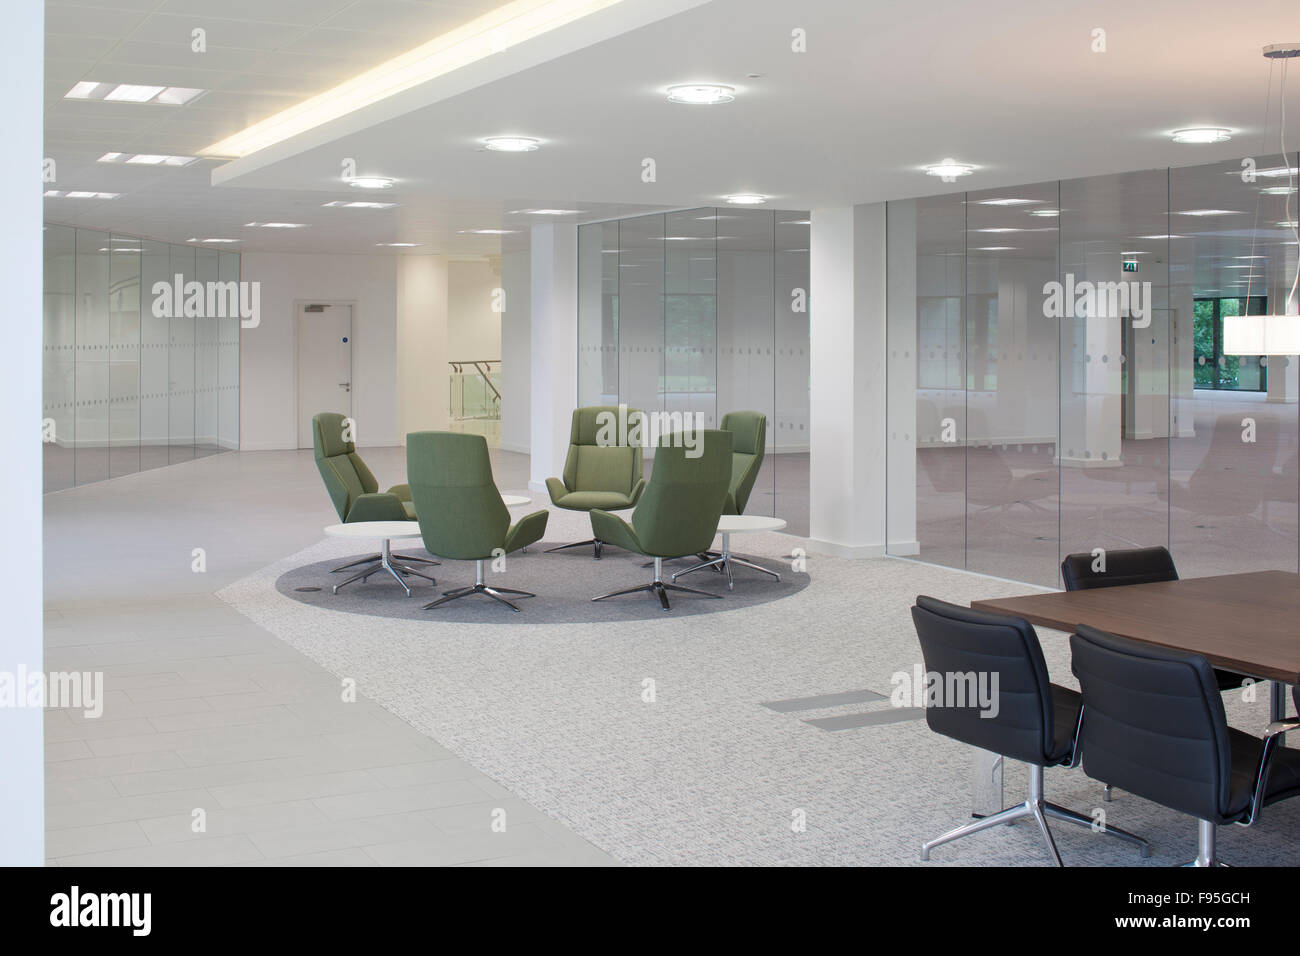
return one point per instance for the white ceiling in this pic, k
(884, 87)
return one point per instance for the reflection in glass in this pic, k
(125, 389)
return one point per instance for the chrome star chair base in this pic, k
(478, 587)
(1040, 810)
(378, 558)
(596, 545)
(392, 563)
(658, 588)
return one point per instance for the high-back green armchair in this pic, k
(460, 510)
(352, 486)
(748, 445)
(678, 514)
(602, 469)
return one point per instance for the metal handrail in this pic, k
(483, 367)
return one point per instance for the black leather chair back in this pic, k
(1153, 723)
(1130, 566)
(958, 640)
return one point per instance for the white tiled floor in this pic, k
(204, 711)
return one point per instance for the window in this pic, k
(1239, 373)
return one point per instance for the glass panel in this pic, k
(640, 315)
(1234, 470)
(598, 258)
(228, 363)
(180, 362)
(59, 367)
(746, 329)
(787, 435)
(92, 352)
(690, 319)
(124, 357)
(1115, 345)
(1011, 381)
(155, 334)
(926, 343)
(207, 268)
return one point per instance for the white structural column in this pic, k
(422, 370)
(847, 406)
(516, 346)
(22, 796)
(553, 306)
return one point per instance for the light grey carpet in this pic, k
(565, 583)
(704, 773)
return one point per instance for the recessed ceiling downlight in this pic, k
(701, 94)
(512, 144)
(949, 170)
(370, 182)
(1202, 134)
(746, 199)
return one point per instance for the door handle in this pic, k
(347, 385)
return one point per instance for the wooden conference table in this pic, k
(1243, 622)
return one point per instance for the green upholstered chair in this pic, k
(352, 486)
(748, 445)
(678, 514)
(460, 510)
(598, 472)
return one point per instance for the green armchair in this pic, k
(678, 514)
(460, 510)
(748, 445)
(598, 473)
(352, 486)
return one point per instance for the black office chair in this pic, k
(1035, 720)
(1131, 566)
(1153, 723)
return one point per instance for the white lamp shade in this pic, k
(1261, 335)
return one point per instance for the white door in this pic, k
(324, 364)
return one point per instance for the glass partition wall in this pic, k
(126, 390)
(1057, 382)
(704, 311)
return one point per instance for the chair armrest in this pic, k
(1275, 729)
(636, 490)
(403, 492)
(556, 489)
(611, 529)
(377, 506)
(526, 530)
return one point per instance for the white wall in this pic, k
(516, 348)
(473, 329)
(267, 354)
(422, 351)
(22, 796)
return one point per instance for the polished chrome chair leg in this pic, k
(369, 559)
(479, 587)
(1035, 807)
(411, 557)
(1205, 845)
(1009, 815)
(657, 587)
(596, 545)
(1069, 816)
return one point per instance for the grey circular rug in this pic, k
(564, 582)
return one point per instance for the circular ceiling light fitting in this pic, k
(1202, 134)
(949, 170)
(512, 144)
(370, 182)
(701, 94)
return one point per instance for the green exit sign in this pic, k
(1130, 265)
